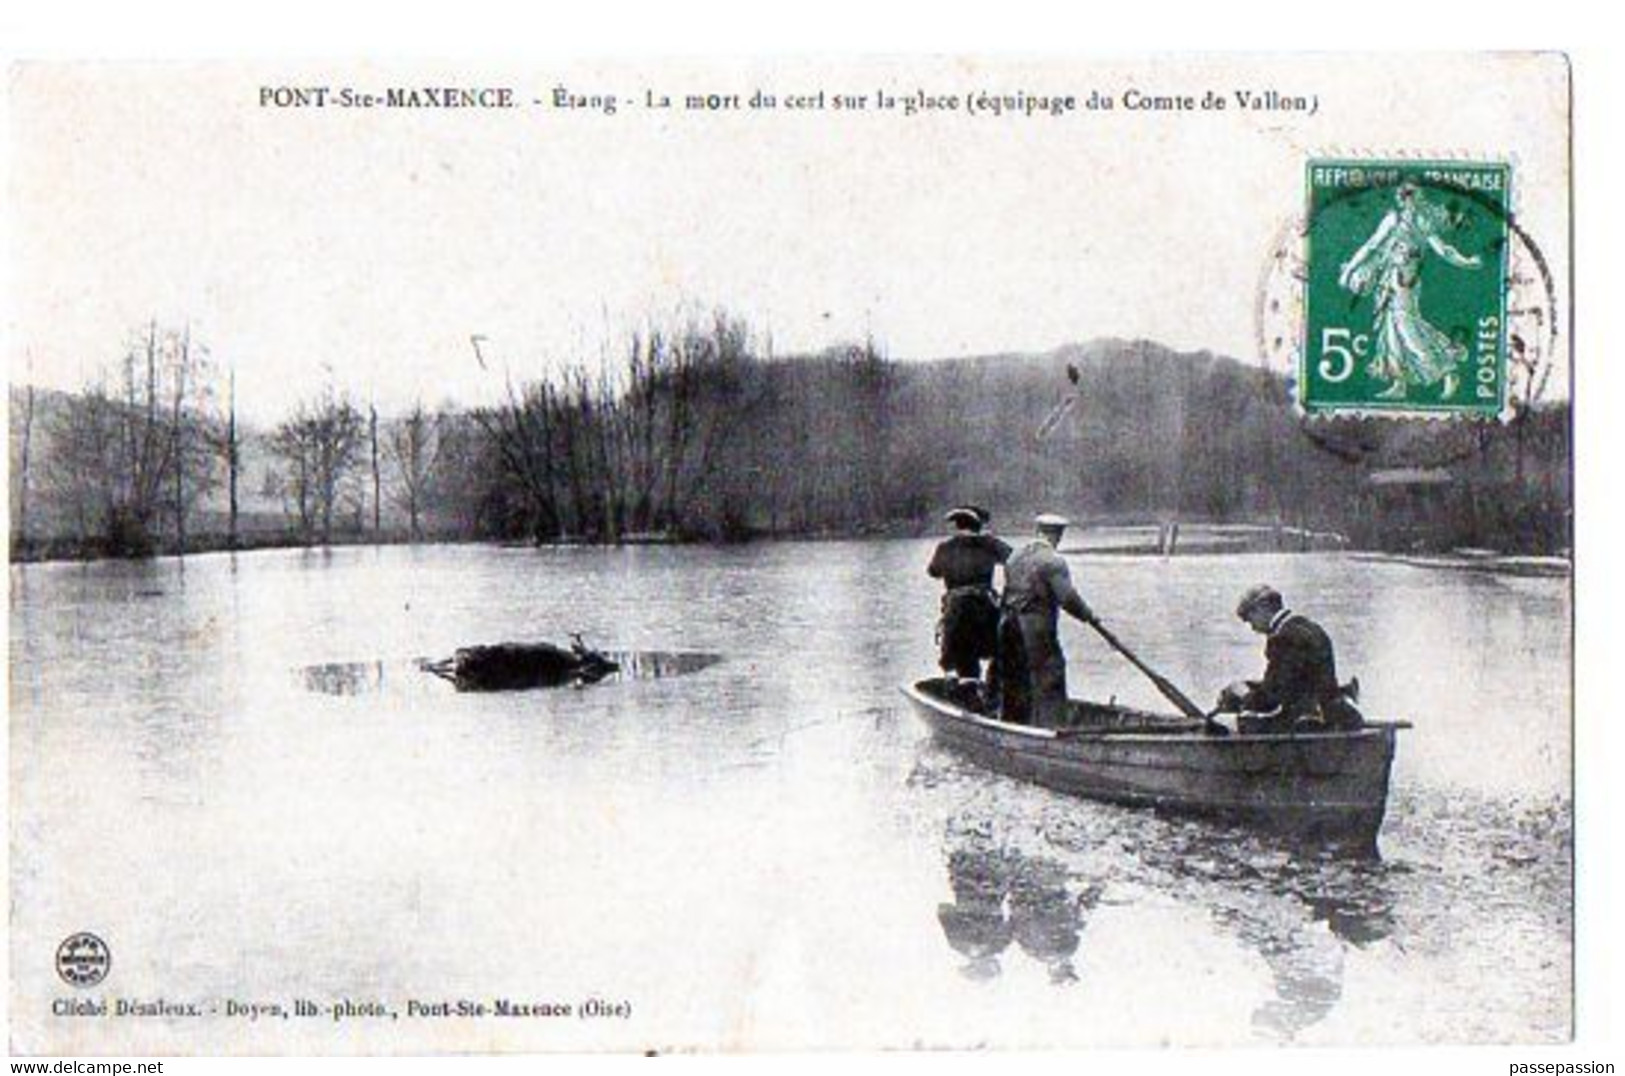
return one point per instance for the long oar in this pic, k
(1163, 684)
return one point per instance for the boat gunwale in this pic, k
(1193, 734)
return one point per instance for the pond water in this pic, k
(232, 771)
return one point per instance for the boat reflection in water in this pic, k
(1003, 895)
(1301, 912)
(1306, 955)
(1033, 884)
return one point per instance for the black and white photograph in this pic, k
(760, 554)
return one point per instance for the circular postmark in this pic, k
(1520, 330)
(83, 959)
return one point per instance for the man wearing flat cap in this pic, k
(1032, 667)
(1299, 688)
(968, 631)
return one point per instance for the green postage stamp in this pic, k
(1405, 305)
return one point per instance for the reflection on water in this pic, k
(1307, 978)
(658, 664)
(771, 827)
(344, 678)
(365, 677)
(1002, 895)
(1024, 863)
(1360, 919)
(1301, 917)
(1274, 905)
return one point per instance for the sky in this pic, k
(369, 246)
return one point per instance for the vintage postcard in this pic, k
(743, 555)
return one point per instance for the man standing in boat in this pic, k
(1300, 688)
(970, 611)
(1032, 667)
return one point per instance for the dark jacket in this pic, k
(968, 560)
(970, 616)
(1300, 674)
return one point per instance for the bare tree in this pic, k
(218, 441)
(377, 478)
(413, 449)
(321, 448)
(232, 450)
(181, 442)
(129, 449)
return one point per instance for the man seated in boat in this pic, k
(1032, 668)
(969, 628)
(1299, 690)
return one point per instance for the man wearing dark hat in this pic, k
(970, 609)
(1032, 667)
(1300, 688)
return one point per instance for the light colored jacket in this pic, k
(1037, 581)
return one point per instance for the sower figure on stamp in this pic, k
(1408, 349)
(1299, 689)
(968, 630)
(1032, 667)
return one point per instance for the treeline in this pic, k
(110, 468)
(698, 432)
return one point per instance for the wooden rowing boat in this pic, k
(1325, 787)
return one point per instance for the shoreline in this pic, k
(1484, 562)
(1109, 540)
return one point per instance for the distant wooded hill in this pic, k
(702, 437)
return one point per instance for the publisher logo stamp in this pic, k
(83, 960)
(1405, 305)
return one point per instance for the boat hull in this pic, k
(1328, 787)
